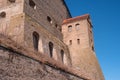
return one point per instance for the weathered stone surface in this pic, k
(14, 66)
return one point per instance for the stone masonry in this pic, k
(39, 40)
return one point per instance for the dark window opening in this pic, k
(51, 49)
(2, 14)
(78, 41)
(32, 4)
(70, 28)
(35, 40)
(12, 1)
(77, 26)
(49, 19)
(62, 55)
(70, 42)
(60, 29)
(56, 25)
(92, 48)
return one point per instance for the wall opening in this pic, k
(70, 28)
(2, 14)
(92, 48)
(56, 25)
(70, 42)
(62, 55)
(77, 26)
(35, 40)
(78, 41)
(49, 19)
(51, 49)
(12, 1)
(32, 4)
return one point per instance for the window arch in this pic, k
(3, 14)
(69, 28)
(77, 26)
(70, 42)
(62, 55)
(32, 4)
(78, 41)
(49, 19)
(51, 49)
(35, 40)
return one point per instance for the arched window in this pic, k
(12, 1)
(78, 41)
(62, 55)
(2, 14)
(35, 40)
(49, 19)
(32, 4)
(51, 49)
(77, 26)
(70, 42)
(70, 28)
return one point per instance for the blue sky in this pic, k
(105, 16)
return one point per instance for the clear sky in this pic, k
(105, 16)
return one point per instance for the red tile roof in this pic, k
(86, 16)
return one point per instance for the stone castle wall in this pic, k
(23, 17)
(55, 10)
(77, 34)
(14, 66)
(19, 63)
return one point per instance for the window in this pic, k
(12, 1)
(35, 40)
(49, 19)
(60, 29)
(70, 42)
(78, 41)
(51, 49)
(2, 14)
(70, 28)
(62, 55)
(32, 4)
(56, 25)
(77, 26)
(92, 48)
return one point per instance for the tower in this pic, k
(77, 35)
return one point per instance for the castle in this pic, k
(46, 27)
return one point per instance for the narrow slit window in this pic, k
(78, 41)
(51, 49)
(49, 19)
(70, 28)
(56, 25)
(62, 55)
(92, 48)
(70, 42)
(35, 40)
(32, 4)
